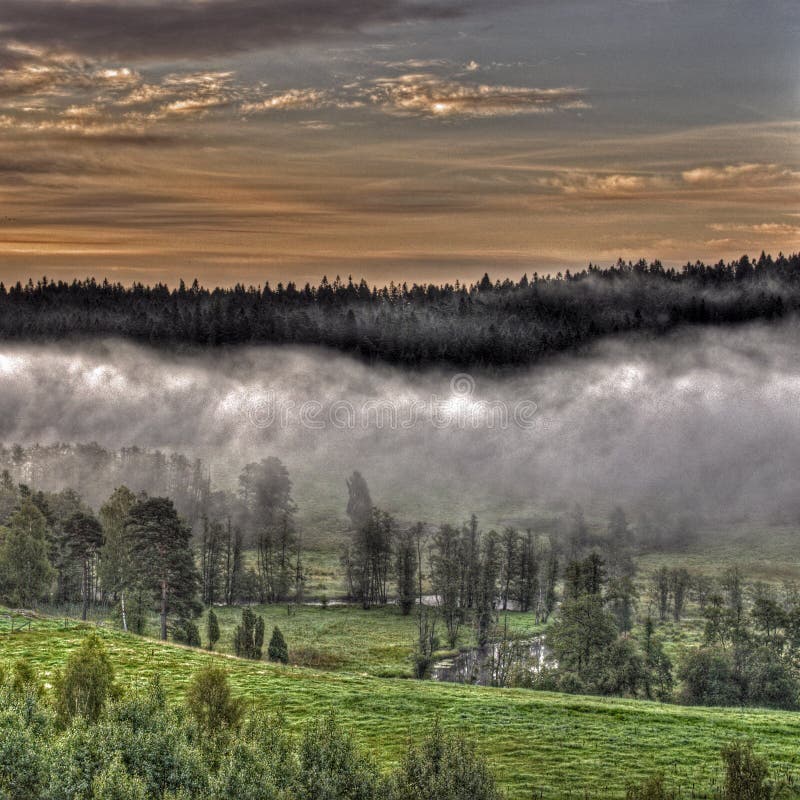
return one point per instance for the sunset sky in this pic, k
(253, 140)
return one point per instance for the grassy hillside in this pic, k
(557, 744)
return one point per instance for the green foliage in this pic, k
(707, 678)
(278, 650)
(746, 773)
(210, 701)
(248, 639)
(716, 676)
(116, 570)
(24, 679)
(212, 629)
(331, 766)
(515, 728)
(446, 767)
(25, 572)
(406, 569)
(185, 631)
(653, 788)
(159, 543)
(260, 764)
(114, 782)
(86, 684)
(23, 762)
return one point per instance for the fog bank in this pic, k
(704, 420)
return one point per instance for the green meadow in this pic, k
(539, 744)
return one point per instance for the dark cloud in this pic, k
(176, 29)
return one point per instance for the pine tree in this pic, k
(212, 629)
(85, 536)
(277, 650)
(160, 545)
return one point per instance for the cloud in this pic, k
(177, 29)
(428, 95)
(291, 99)
(605, 184)
(775, 229)
(740, 175)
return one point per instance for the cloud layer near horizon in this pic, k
(245, 140)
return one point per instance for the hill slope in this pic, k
(552, 743)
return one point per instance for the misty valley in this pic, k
(399, 400)
(616, 525)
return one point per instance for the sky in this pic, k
(406, 140)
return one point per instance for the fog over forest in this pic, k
(704, 421)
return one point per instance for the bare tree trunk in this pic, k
(124, 616)
(163, 611)
(86, 589)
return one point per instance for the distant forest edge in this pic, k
(487, 323)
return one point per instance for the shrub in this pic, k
(186, 632)
(210, 701)
(24, 679)
(331, 767)
(745, 773)
(277, 650)
(445, 767)
(86, 684)
(114, 783)
(708, 679)
(653, 788)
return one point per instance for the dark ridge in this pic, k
(484, 324)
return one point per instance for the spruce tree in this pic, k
(212, 629)
(278, 651)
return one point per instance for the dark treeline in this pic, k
(486, 323)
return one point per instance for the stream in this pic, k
(490, 665)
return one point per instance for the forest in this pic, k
(482, 324)
(600, 621)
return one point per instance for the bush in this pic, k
(445, 767)
(277, 650)
(745, 773)
(114, 783)
(331, 767)
(86, 684)
(186, 632)
(24, 679)
(210, 701)
(708, 679)
(654, 788)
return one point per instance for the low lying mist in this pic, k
(706, 421)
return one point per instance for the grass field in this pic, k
(558, 745)
(379, 641)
